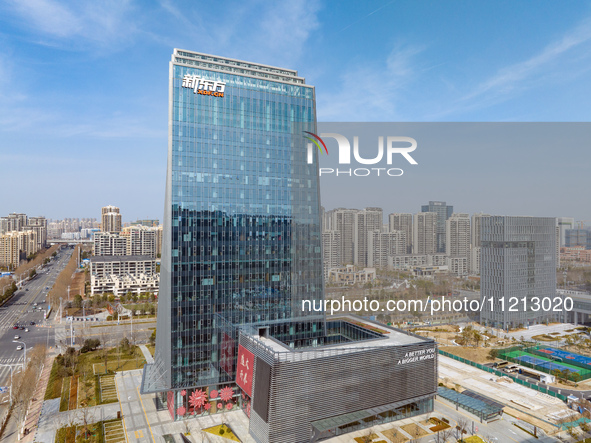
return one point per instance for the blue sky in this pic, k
(83, 85)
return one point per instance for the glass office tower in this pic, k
(242, 239)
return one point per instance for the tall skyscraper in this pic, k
(425, 233)
(370, 219)
(241, 240)
(111, 219)
(518, 263)
(402, 222)
(443, 212)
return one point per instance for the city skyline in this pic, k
(74, 86)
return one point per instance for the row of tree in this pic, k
(39, 259)
(25, 382)
(60, 287)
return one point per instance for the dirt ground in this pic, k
(548, 429)
(479, 355)
(77, 286)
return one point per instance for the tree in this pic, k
(493, 354)
(78, 301)
(461, 428)
(565, 375)
(90, 344)
(153, 337)
(576, 377)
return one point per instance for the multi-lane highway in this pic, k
(21, 310)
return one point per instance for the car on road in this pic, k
(15, 327)
(26, 329)
(19, 348)
(16, 337)
(22, 328)
(32, 323)
(27, 289)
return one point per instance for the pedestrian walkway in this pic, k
(36, 403)
(147, 355)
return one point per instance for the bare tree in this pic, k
(87, 418)
(462, 427)
(105, 341)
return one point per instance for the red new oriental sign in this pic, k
(244, 369)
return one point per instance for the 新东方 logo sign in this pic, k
(202, 86)
(394, 145)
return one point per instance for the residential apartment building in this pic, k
(402, 222)
(425, 233)
(16, 246)
(370, 219)
(110, 219)
(443, 211)
(331, 250)
(457, 244)
(475, 242)
(343, 220)
(106, 243)
(141, 240)
(380, 245)
(564, 223)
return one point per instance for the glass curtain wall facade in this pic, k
(242, 239)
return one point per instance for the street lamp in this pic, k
(25, 356)
(11, 367)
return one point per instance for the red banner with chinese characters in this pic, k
(244, 369)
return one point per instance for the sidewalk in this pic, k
(37, 401)
(146, 352)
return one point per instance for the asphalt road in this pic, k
(109, 332)
(19, 311)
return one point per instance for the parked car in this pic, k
(16, 337)
(32, 323)
(26, 329)
(19, 348)
(15, 327)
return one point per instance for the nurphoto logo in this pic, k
(394, 145)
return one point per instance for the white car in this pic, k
(16, 337)
(19, 348)
(26, 329)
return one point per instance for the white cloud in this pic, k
(74, 24)
(553, 64)
(370, 91)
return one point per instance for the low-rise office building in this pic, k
(365, 375)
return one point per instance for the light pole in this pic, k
(25, 356)
(11, 368)
(68, 294)
(131, 316)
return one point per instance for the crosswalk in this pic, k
(11, 361)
